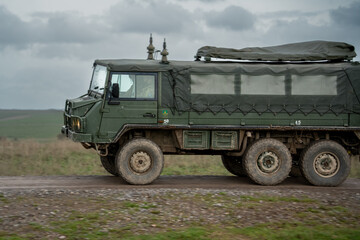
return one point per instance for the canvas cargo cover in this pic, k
(193, 88)
(304, 51)
(219, 86)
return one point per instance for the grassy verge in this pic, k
(299, 231)
(194, 165)
(64, 157)
(355, 167)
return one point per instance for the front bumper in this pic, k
(76, 137)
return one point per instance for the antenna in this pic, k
(150, 49)
(164, 53)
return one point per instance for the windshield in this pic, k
(98, 79)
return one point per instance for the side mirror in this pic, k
(115, 90)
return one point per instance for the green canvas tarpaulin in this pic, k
(252, 87)
(304, 51)
(318, 88)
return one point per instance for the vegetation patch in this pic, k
(194, 165)
(3, 199)
(268, 198)
(299, 231)
(11, 236)
(84, 228)
(355, 167)
(193, 233)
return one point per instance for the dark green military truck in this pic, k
(276, 108)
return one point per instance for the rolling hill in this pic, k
(35, 124)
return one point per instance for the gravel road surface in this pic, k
(175, 182)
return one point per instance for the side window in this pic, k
(213, 84)
(262, 85)
(126, 83)
(314, 85)
(145, 86)
(134, 86)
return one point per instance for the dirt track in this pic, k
(173, 182)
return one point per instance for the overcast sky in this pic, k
(47, 47)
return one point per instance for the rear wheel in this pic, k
(325, 163)
(233, 165)
(108, 163)
(267, 161)
(140, 161)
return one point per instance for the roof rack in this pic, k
(303, 51)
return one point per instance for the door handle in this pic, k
(149, 115)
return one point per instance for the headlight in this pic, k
(76, 124)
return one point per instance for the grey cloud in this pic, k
(287, 14)
(302, 30)
(149, 16)
(46, 28)
(43, 84)
(206, 1)
(347, 15)
(67, 27)
(13, 30)
(233, 18)
(295, 31)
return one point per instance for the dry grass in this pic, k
(355, 167)
(64, 157)
(194, 165)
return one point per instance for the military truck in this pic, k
(263, 110)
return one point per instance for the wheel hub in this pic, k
(140, 162)
(268, 162)
(326, 165)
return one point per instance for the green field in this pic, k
(35, 124)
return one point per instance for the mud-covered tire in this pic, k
(325, 163)
(140, 161)
(267, 162)
(233, 165)
(108, 163)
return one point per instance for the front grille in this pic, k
(68, 107)
(67, 115)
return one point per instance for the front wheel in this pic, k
(325, 163)
(267, 161)
(140, 161)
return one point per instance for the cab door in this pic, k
(131, 99)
